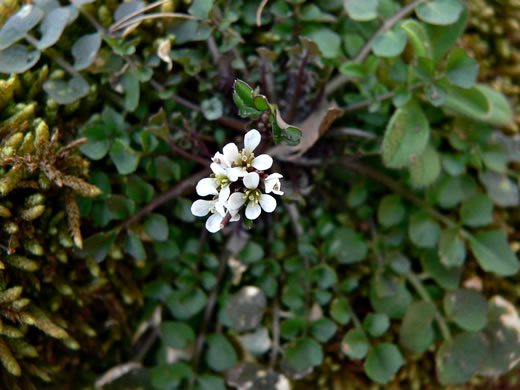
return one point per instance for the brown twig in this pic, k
(297, 90)
(202, 161)
(173, 193)
(138, 12)
(259, 12)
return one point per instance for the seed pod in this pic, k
(32, 213)
(21, 347)
(22, 263)
(10, 294)
(8, 359)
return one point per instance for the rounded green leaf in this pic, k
(426, 168)
(185, 304)
(327, 40)
(449, 191)
(340, 310)
(303, 354)
(124, 158)
(292, 328)
(500, 188)
(467, 308)
(446, 277)
(130, 83)
(383, 362)
(440, 12)
(458, 359)
(66, 92)
(493, 253)
(85, 50)
(97, 144)
(212, 108)
(169, 376)
(134, 247)
(52, 27)
(477, 211)
(347, 246)
(390, 43)
(156, 226)
(361, 10)
(120, 206)
(353, 69)
(221, 355)
(461, 70)
(17, 25)
(177, 335)
(324, 276)
(201, 8)
(423, 231)
(452, 251)
(323, 329)
(418, 37)
(390, 211)
(17, 59)
(376, 324)
(394, 305)
(406, 136)
(355, 344)
(210, 382)
(416, 333)
(443, 38)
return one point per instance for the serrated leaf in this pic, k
(85, 50)
(17, 25)
(493, 253)
(66, 92)
(383, 362)
(458, 359)
(406, 135)
(416, 333)
(17, 59)
(426, 168)
(439, 12)
(467, 308)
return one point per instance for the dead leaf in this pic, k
(314, 127)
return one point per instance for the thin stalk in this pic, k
(159, 15)
(421, 290)
(340, 80)
(298, 88)
(138, 12)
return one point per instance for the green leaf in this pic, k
(458, 359)
(66, 92)
(85, 50)
(124, 158)
(323, 329)
(97, 144)
(461, 69)
(130, 83)
(390, 43)
(383, 362)
(443, 38)
(467, 308)
(426, 168)
(416, 333)
(17, 59)
(156, 226)
(97, 246)
(303, 354)
(401, 97)
(243, 92)
(361, 10)
(493, 253)
(423, 231)
(394, 305)
(120, 206)
(494, 157)
(390, 211)
(252, 252)
(134, 247)
(406, 135)
(185, 304)
(357, 195)
(210, 382)
(324, 276)
(139, 190)
(477, 211)
(355, 344)
(212, 108)
(340, 311)
(177, 335)
(440, 12)
(500, 188)
(500, 113)
(353, 69)
(292, 328)
(52, 27)
(327, 40)
(201, 8)
(425, 68)
(376, 324)
(418, 37)
(449, 192)
(435, 94)
(17, 25)
(169, 376)
(446, 277)
(452, 251)
(347, 246)
(468, 102)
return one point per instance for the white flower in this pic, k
(256, 201)
(246, 158)
(201, 208)
(272, 184)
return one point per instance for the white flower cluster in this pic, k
(238, 180)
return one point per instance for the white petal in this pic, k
(274, 176)
(236, 217)
(251, 180)
(234, 173)
(230, 152)
(200, 207)
(262, 162)
(219, 209)
(253, 211)
(206, 187)
(224, 194)
(220, 159)
(218, 169)
(213, 223)
(252, 140)
(236, 200)
(268, 203)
